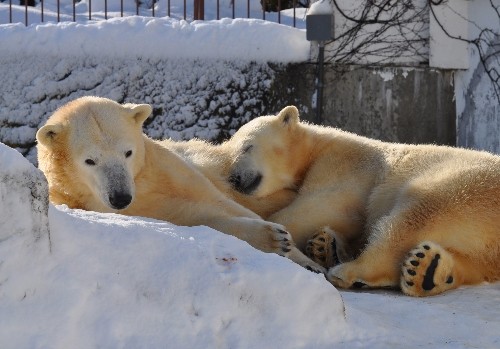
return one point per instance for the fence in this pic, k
(289, 12)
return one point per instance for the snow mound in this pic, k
(227, 39)
(115, 281)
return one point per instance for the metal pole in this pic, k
(319, 83)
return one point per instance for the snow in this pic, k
(114, 281)
(127, 282)
(179, 9)
(244, 39)
(13, 162)
(321, 7)
(204, 79)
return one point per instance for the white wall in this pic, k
(445, 20)
(382, 50)
(478, 110)
(477, 104)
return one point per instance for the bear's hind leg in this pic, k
(378, 266)
(428, 270)
(321, 248)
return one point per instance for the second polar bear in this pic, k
(96, 157)
(422, 217)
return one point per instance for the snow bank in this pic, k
(226, 39)
(190, 98)
(321, 7)
(24, 200)
(125, 282)
(204, 79)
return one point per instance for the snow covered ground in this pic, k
(128, 282)
(112, 281)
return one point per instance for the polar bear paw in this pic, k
(427, 270)
(284, 241)
(321, 248)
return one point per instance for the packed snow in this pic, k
(246, 40)
(321, 7)
(110, 281)
(125, 282)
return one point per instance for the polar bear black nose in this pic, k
(120, 200)
(245, 183)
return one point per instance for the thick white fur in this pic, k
(398, 212)
(96, 157)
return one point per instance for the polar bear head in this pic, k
(91, 149)
(262, 148)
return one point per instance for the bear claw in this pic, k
(314, 270)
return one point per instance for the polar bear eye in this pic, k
(128, 154)
(90, 162)
(247, 148)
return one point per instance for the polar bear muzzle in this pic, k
(245, 182)
(119, 200)
(117, 186)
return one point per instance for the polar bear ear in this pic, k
(139, 112)
(289, 115)
(48, 134)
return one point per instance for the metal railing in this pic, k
(289, 12)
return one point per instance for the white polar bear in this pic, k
(96, 157)
(422, 217)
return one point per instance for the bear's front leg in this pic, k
(301, 259)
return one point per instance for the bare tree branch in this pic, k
(382, 31)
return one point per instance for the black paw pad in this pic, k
(428, 283)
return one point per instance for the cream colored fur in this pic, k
(422, 217)
(214, 161)
(96, 157)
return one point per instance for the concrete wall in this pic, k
(410, 105)
(478, 98)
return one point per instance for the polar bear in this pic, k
(214, 161)
(425, 218)
(96, 157)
